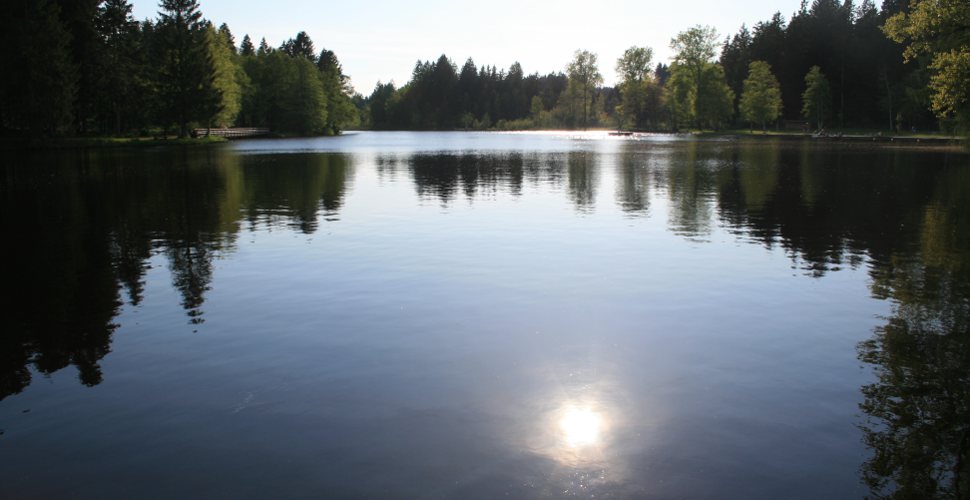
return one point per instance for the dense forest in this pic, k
(86, 67)
(80, 67)
(905, 65)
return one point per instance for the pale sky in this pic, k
(380, 40)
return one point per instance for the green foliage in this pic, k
(584, 78)
(634, 65)
(714, 102)
(123, 84)
(641, 99)
(79, 19)
(287, 94)
(40, 81)
(761, 100)
(341, 111)
(869, 82)
(183, 72)
(694, 49)
(300, 46)
(88, 65)
(439, 97)
(951, 85)
(225, 86)
(246, 47)
(85, 66)
(940, 30)
(817, 98)
(698, 90)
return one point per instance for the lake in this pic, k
(483, 315)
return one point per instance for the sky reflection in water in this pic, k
(482, 315)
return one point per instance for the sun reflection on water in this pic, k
(581, 427)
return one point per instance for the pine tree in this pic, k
(120, 90)
(230, 40)
(184, 72)
(301, 46)
(225, 95)
(40, 80)
(79, 19)
(341, 111)
(246, 47)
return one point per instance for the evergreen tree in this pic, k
(662, 73)
(40, 81)
(307, 102)
(341, 111)
(230, 40)
(123, 86)
(246, 47)
(300, 46)
(79, 18)
(184, 72)
(225, 93)
(736, 58)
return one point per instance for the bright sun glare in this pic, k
(581, 427)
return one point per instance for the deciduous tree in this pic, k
(939, 29)
(817, 98)
(584, 77)
(761, 99)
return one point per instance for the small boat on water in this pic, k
(621, 134)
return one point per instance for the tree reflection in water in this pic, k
(918, 410)
(86, 223)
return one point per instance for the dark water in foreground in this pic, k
(486, 315)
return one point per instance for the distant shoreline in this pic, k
(61, 144)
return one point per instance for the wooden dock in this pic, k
(231, 133)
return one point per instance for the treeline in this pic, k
(88, 67)
(870, 84)
(440, 96)
(834, 64)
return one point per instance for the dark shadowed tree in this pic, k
(39, 84)
(246, 47)
(121, 95)
(300, 46)
(183, 71)
(79, 17)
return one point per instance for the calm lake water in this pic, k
(475, 315)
